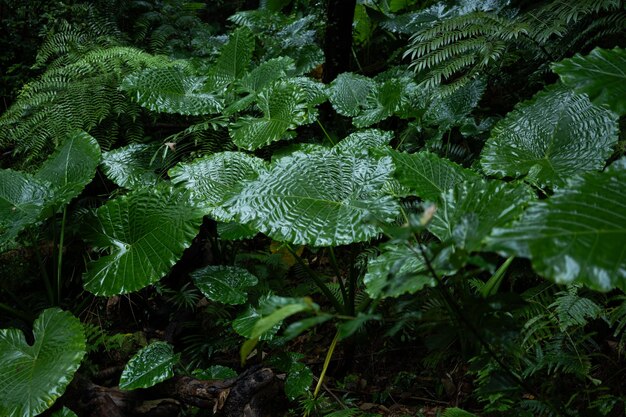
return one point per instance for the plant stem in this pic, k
(329, 355)
(42, 268)
(16, 313)
(332, 142)
(342, 287)
(317, 281)
(60, 255)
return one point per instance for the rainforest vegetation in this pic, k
(328, 208)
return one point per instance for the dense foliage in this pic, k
(181, 194)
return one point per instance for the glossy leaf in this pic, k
(469, 212)
(215, 372)
(214, 178)
(144, 234)
(234, 58)
(426, 175)
(64, 412)
(266, 74)
(172, 90)
(398, 270)
(235, 231)
(134, 166)
(224, 284)
(23, 199)
(601, 75)
(360, 143)
(151, 365)
(577, 235)
(71, 167)
(348, 93)
(33, 377)
(386, 99)
(556, 134)
(339, 207)
(284, 108)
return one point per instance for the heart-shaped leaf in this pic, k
(145, 233)
(348, 93)
(339, 207)
(224, 284)
(33, 377)
(556, 134)
(151, 365)
(601, 75)
(134, 166)
(577, 235)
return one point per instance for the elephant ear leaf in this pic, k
(145, 233)
(235, 56)
(225, 284)
(136, 165)
(71, 167)
(601, 75)
(151, 365)
(172, 90)
(33, 376)
(577, 235)
(284, 107)
(349, 92)
(212, 179)
(339, 207)
(556, 134)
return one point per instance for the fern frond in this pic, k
(456, 50)
(80, 95)
(556, 17)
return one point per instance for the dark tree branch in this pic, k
(338, 38)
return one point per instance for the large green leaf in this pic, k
(361, 142)
(214, 178)
(71, 167)
(601, 75)
(556, 134)
(23, 199)
(134, 166)
(577, 235)
(144, 234)
(225, 284)
(266, 74)
(149, 366)
(32, 377)
(468, 212)
(172, 90)
(348, 93)
(318, 198)
(284, 108)
(426, 175)
(386, 99)
(399, 269)
(235, 56)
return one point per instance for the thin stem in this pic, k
(470, 326)
(16, 313)
(60, 255)
(320, 284)
(326, 133)
(329, 355)
(42, 268)
(342, 287)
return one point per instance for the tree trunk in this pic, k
(338, 38)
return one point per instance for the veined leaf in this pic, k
(23, 199)
(359, 143)
(338, 207)
(215, 372)
(235, 56)
(235, 231)
(284, 108)
(64, 412)
(556, 134)
(71, 167)
(266, 74)
(215, 178)
(428, 176)
(398, 270)
(134, 166)
(224, 284)
(33, 377)
(577, 235)
(382, 102)
(172, 90)
(149, 366)
(348, 93)
(145, 233)
(468, 212)
(601, 75)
